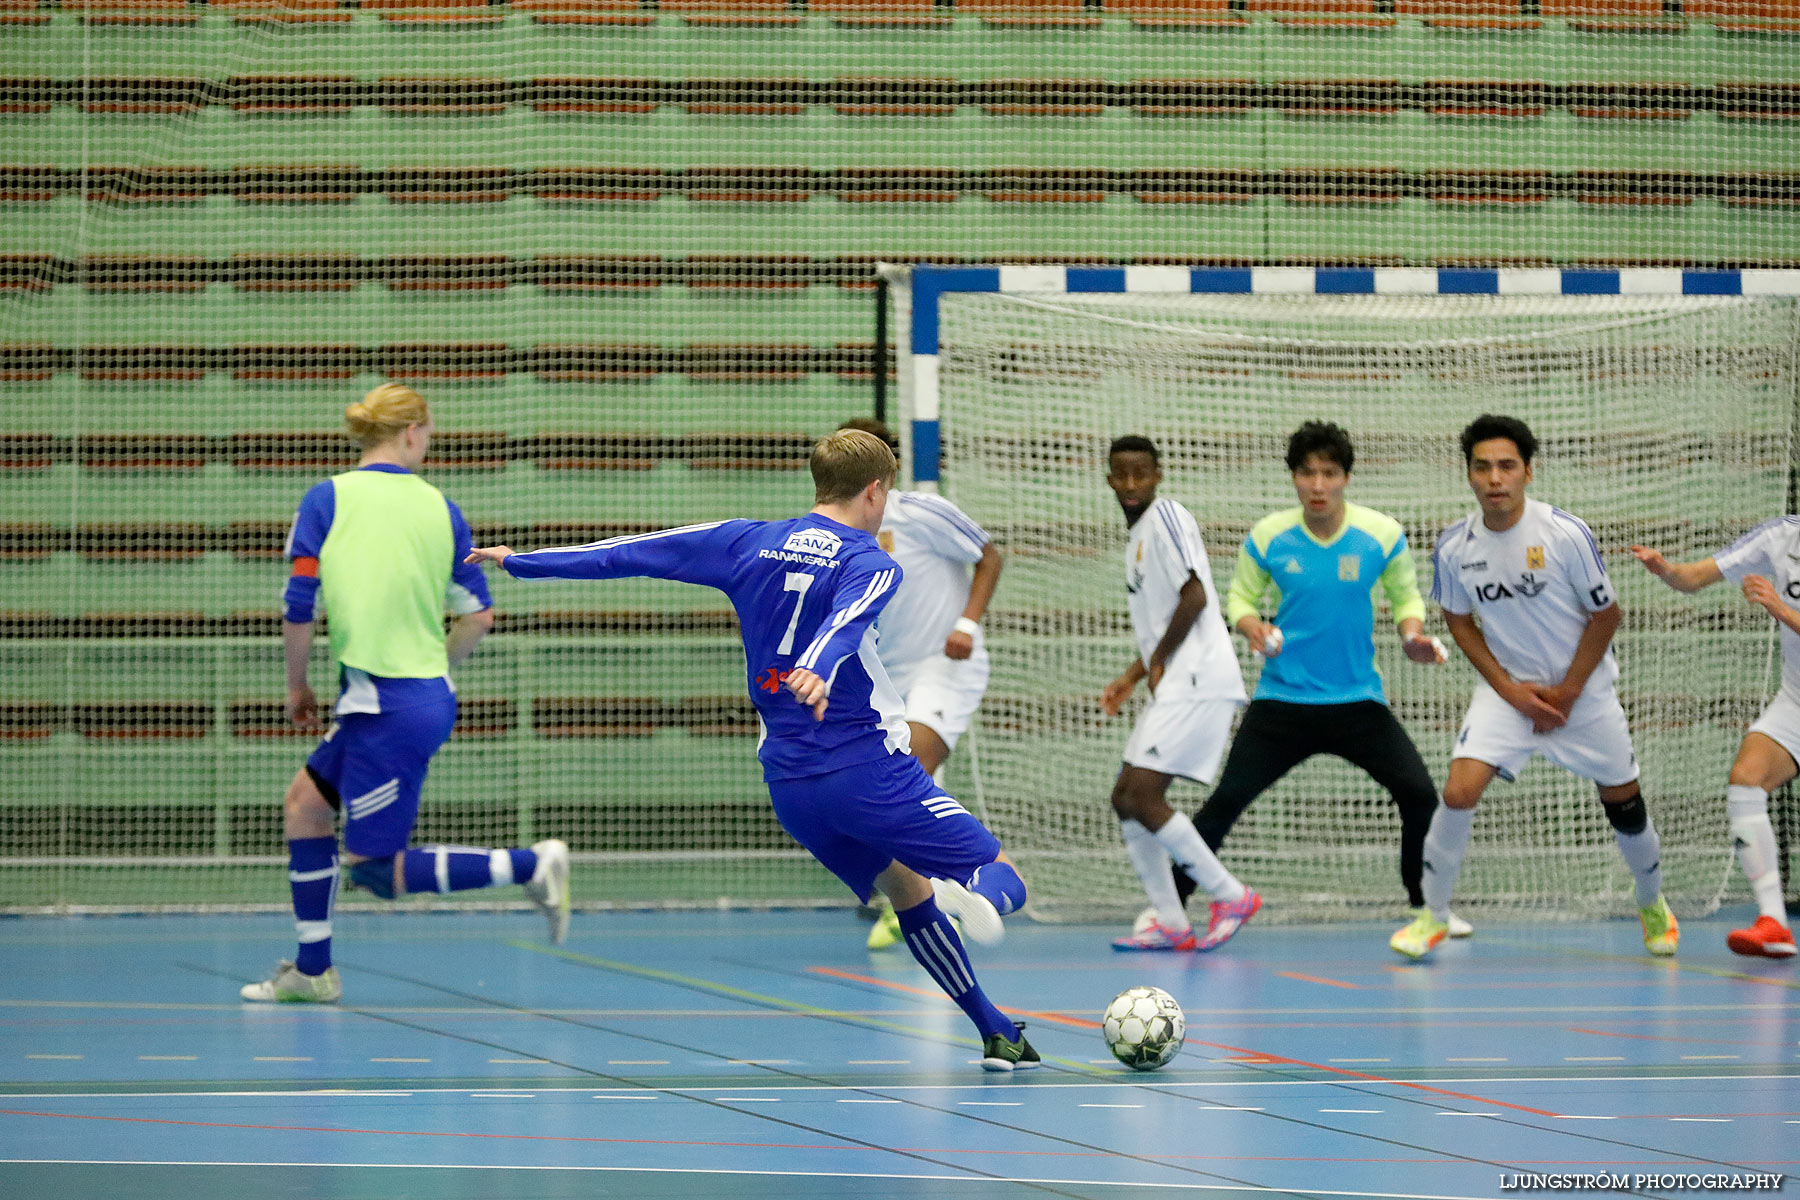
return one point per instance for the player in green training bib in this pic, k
(1319, 564)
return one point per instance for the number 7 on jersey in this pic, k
(797, 581)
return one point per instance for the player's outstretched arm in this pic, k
(1683, 577)
(490, 554)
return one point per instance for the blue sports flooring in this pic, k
(769, 1054)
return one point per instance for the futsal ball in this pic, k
(1144, 1028)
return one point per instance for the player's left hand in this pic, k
(958, 645)
(1758, 590)
(485, 554)
(809, 689)
(1427, 650)
(1559, 696)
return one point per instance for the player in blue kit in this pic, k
(834, 747)
(384, 550)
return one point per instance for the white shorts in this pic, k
(1182, 735)
(1780, 723)
(1595, 744)
(942, 693)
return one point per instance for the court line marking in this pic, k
(1045, 1181)
(835, 1138)
(1050, 1017)
(1134, 1080)
(1336, 983)
(1260, 1057)
(1368, 1078)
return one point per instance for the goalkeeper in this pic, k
(1320, 563)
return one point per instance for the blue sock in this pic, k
(313, 880)
(933, 941)
(1000, 885)
(460, 868)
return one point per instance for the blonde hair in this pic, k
(384, 412)
(846, 462)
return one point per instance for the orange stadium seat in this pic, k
(1748, 16)
(1170, 14)
(134, 12)
(437, 12)
(1468, 14)
(284, 12)
(585, 12)
(23, 12)
(1032, 13)
(1613, 16)
(1342, 14)
(735, 12)
(884, 12)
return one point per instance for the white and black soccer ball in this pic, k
(1144, 1028)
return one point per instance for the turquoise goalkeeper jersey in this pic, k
(1324, 597)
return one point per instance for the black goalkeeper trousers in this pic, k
(1276, 736)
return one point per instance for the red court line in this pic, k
(1651, 1037)
(1052, 1018)
(1355, 987)
(1382, 1079)
(1256, 1055)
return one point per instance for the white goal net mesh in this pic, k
(1665, 420)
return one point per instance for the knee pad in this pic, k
(1629, 816)
(374, 875)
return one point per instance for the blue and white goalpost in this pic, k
(1666, 403)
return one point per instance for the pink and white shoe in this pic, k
(1157, 936)
(1227, 917)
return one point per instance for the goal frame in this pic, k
(919, 292)
(928, 284)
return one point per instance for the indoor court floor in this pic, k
(769, 1054)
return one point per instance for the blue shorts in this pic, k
(373, 766)
(857, 820)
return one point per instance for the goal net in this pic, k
(1666, 421)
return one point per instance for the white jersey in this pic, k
(1533, 586)
(1163, 551)
(935, 543)
(1772, 550)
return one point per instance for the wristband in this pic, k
(972, 628)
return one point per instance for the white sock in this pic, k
(1151, 862)
(1445, 844)
(1185, 845)
(1748, 809)
(1642, 852)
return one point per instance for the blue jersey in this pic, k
(807, 592)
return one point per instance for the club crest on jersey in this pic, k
(821, 542)
(1534, 560)
(885, 539)
(1349, 568)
